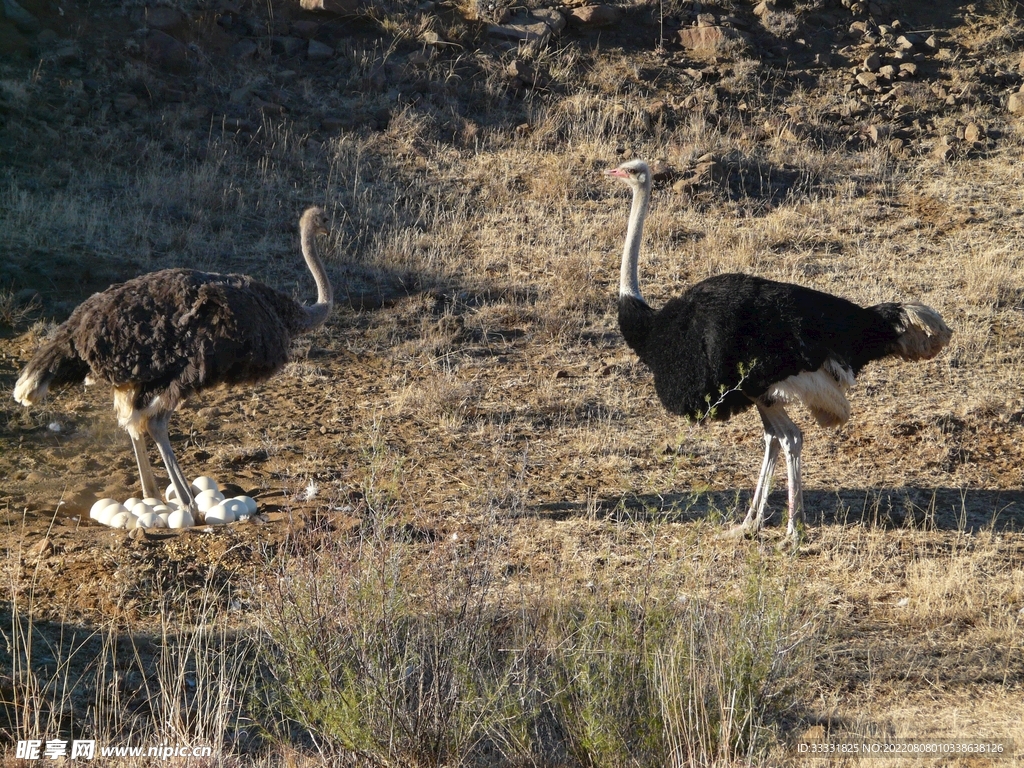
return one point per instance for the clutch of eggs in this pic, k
(213, 509)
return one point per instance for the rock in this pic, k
(418, 59)
(318, 51)
(335, 7)
(20, 18)
(527, 28)
(932, 43)
(872, 62)
(164, 19)
(285, 45)
(908, 69)
(551, 17)
(522, 71)
(164, 51)
(945, 148)
(706, 20)
(305, 28)
(973, 132)
(1015, 104)
(868, 80)
(904, 43)
(876, 133)
(595, 16)
(125, 102)
(244, 49)
(888, 71)
(707, 39)
(764, 7)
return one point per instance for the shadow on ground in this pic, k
(946, 509)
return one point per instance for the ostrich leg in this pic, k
(792, 441)
(158, 431)
(149, 486)
(759, 503)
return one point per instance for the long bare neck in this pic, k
(317, 314)
(629, 282)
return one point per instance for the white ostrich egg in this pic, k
(120, 520)
(140, 508)
(220, 515)
(180, 518)
(129, 503)
(208, 499)
(105, 515)
(146, 520)
(204, 483)
(163, 509)
(165, 518)
(250, 503)
(237, 507)
(99, 506)
(153, 502)
(170, 494)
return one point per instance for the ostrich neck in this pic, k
(629, 282)
(316, 315)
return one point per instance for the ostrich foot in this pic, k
(738, 532)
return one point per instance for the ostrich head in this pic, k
(635, 173)
(314, 221)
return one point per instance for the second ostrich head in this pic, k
(638, 176)
(635, 173)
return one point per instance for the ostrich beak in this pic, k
(618, 173)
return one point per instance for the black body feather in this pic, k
(731, 337)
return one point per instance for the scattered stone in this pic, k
(526, 28)
(125, 102)
(896, 147)
(872, 62)
(305, 28)
(522, 71)
(244, 49)
(335, 7)
(707, 39)
(945, 148)
(905, 43)
(876, 133)
(973, 132)
(241, 95)
(551, 17)
(164, 19)
(764, 7)
(1015, 104)
(888, 71)
(706, 20)
(908, 69)
(285, 45)
(418, 59)
(595, 16)
(869, 80)
(164, 51)
(318, 51)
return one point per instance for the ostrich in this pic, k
(163, 336)
(733, 341)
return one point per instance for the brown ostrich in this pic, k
(166, 335)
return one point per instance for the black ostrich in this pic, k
(161, 337)
(735, 340)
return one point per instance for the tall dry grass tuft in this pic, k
(393, 645)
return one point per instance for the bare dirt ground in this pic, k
(473, 373)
